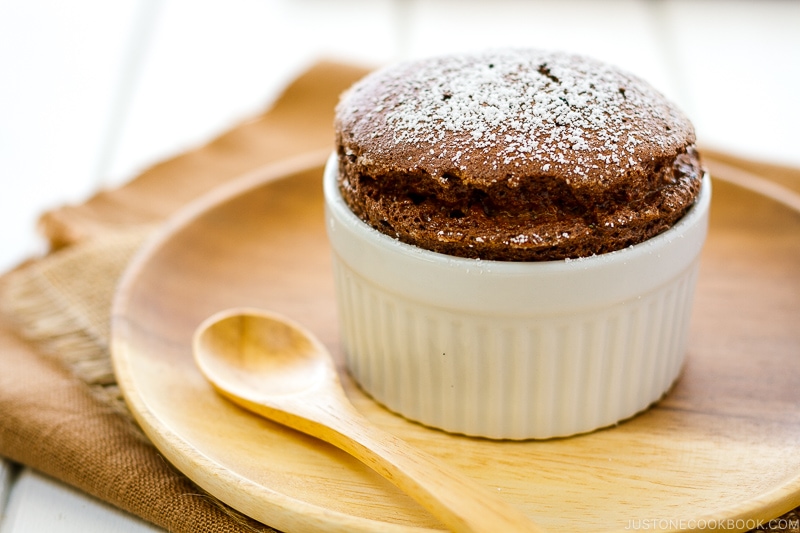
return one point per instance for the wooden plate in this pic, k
(720, 451)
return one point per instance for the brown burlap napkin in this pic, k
(60, 410)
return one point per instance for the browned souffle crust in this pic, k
(514, 155)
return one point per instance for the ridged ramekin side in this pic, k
(513, 377)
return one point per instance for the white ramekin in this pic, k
(513, 350)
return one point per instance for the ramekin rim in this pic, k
(342, 211)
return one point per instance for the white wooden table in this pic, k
(92, 92)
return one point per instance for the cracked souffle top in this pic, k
(514, 155)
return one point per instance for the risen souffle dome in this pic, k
(514, 155)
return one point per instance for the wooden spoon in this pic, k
(274, 367)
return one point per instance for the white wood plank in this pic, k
(38, 504)
(618, 31)
(6, 476)
(740, 63)
(60, 65)
(211, 64)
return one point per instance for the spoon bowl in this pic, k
(264, 355)
(275, 368)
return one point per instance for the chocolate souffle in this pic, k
(514, 155)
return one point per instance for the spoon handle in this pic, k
(460, 503)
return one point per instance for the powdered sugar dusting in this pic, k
(512, 113)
